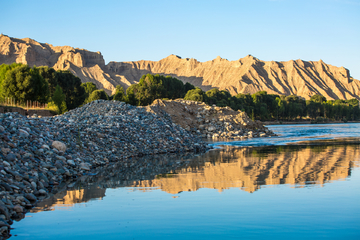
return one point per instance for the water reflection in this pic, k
(68, 198)
(251, 168)
(245, 168)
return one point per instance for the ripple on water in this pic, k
(300, 133)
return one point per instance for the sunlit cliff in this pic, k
(246, 75)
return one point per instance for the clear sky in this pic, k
(278, 30)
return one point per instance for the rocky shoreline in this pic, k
(39, 155)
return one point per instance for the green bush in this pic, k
(98, 94)
(195, 95)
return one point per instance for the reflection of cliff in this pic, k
(117, 175)
(69, 198)
(244, 168)
(248, 169)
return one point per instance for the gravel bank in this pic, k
(210, 121)
(38, 154)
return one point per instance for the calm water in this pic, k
(270, 191)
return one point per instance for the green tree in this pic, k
(280, 108)
(245, 103)
(49, 75)
(119, 94)
(4, 68)
(318, 98)
(188, 87)
(71, 86)
(98, 94)
(24, 83)
(220, 98)
(131, 95)
(195, 95)
(312, 109)
(59, 99)
(151, 87)
(89, 87)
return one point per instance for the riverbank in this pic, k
(38, 154)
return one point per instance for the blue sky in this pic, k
(278, 30)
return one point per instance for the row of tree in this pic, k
(42, 84)
(263, 106)
(65, 91)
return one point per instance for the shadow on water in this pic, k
(248, 169)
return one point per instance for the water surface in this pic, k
(278, 191)
(297, 133)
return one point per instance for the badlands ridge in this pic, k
(246, 75)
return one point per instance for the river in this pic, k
(305, 183)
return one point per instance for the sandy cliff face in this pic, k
(250, 75)
(246, 75)
(88, 66)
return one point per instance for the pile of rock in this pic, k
(211, 121)
(38, 154)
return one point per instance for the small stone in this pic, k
(71, 162)
(18, 209)
(4, 231)
(211, 128)
(42, 192)
(5, 150)
(27, 155)
(61, 158)
(6, 164)
(84, 166)
(23, 133)
(45, 147)
(11, 157)
(59, 146)
(31, 197)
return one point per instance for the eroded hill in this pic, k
(246, 75)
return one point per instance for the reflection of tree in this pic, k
(244, 168)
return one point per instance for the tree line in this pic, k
(270, 107)
(65, 91)
(260, 105)
(43, 84)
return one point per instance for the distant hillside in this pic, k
(246, 75)
(88, 66)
